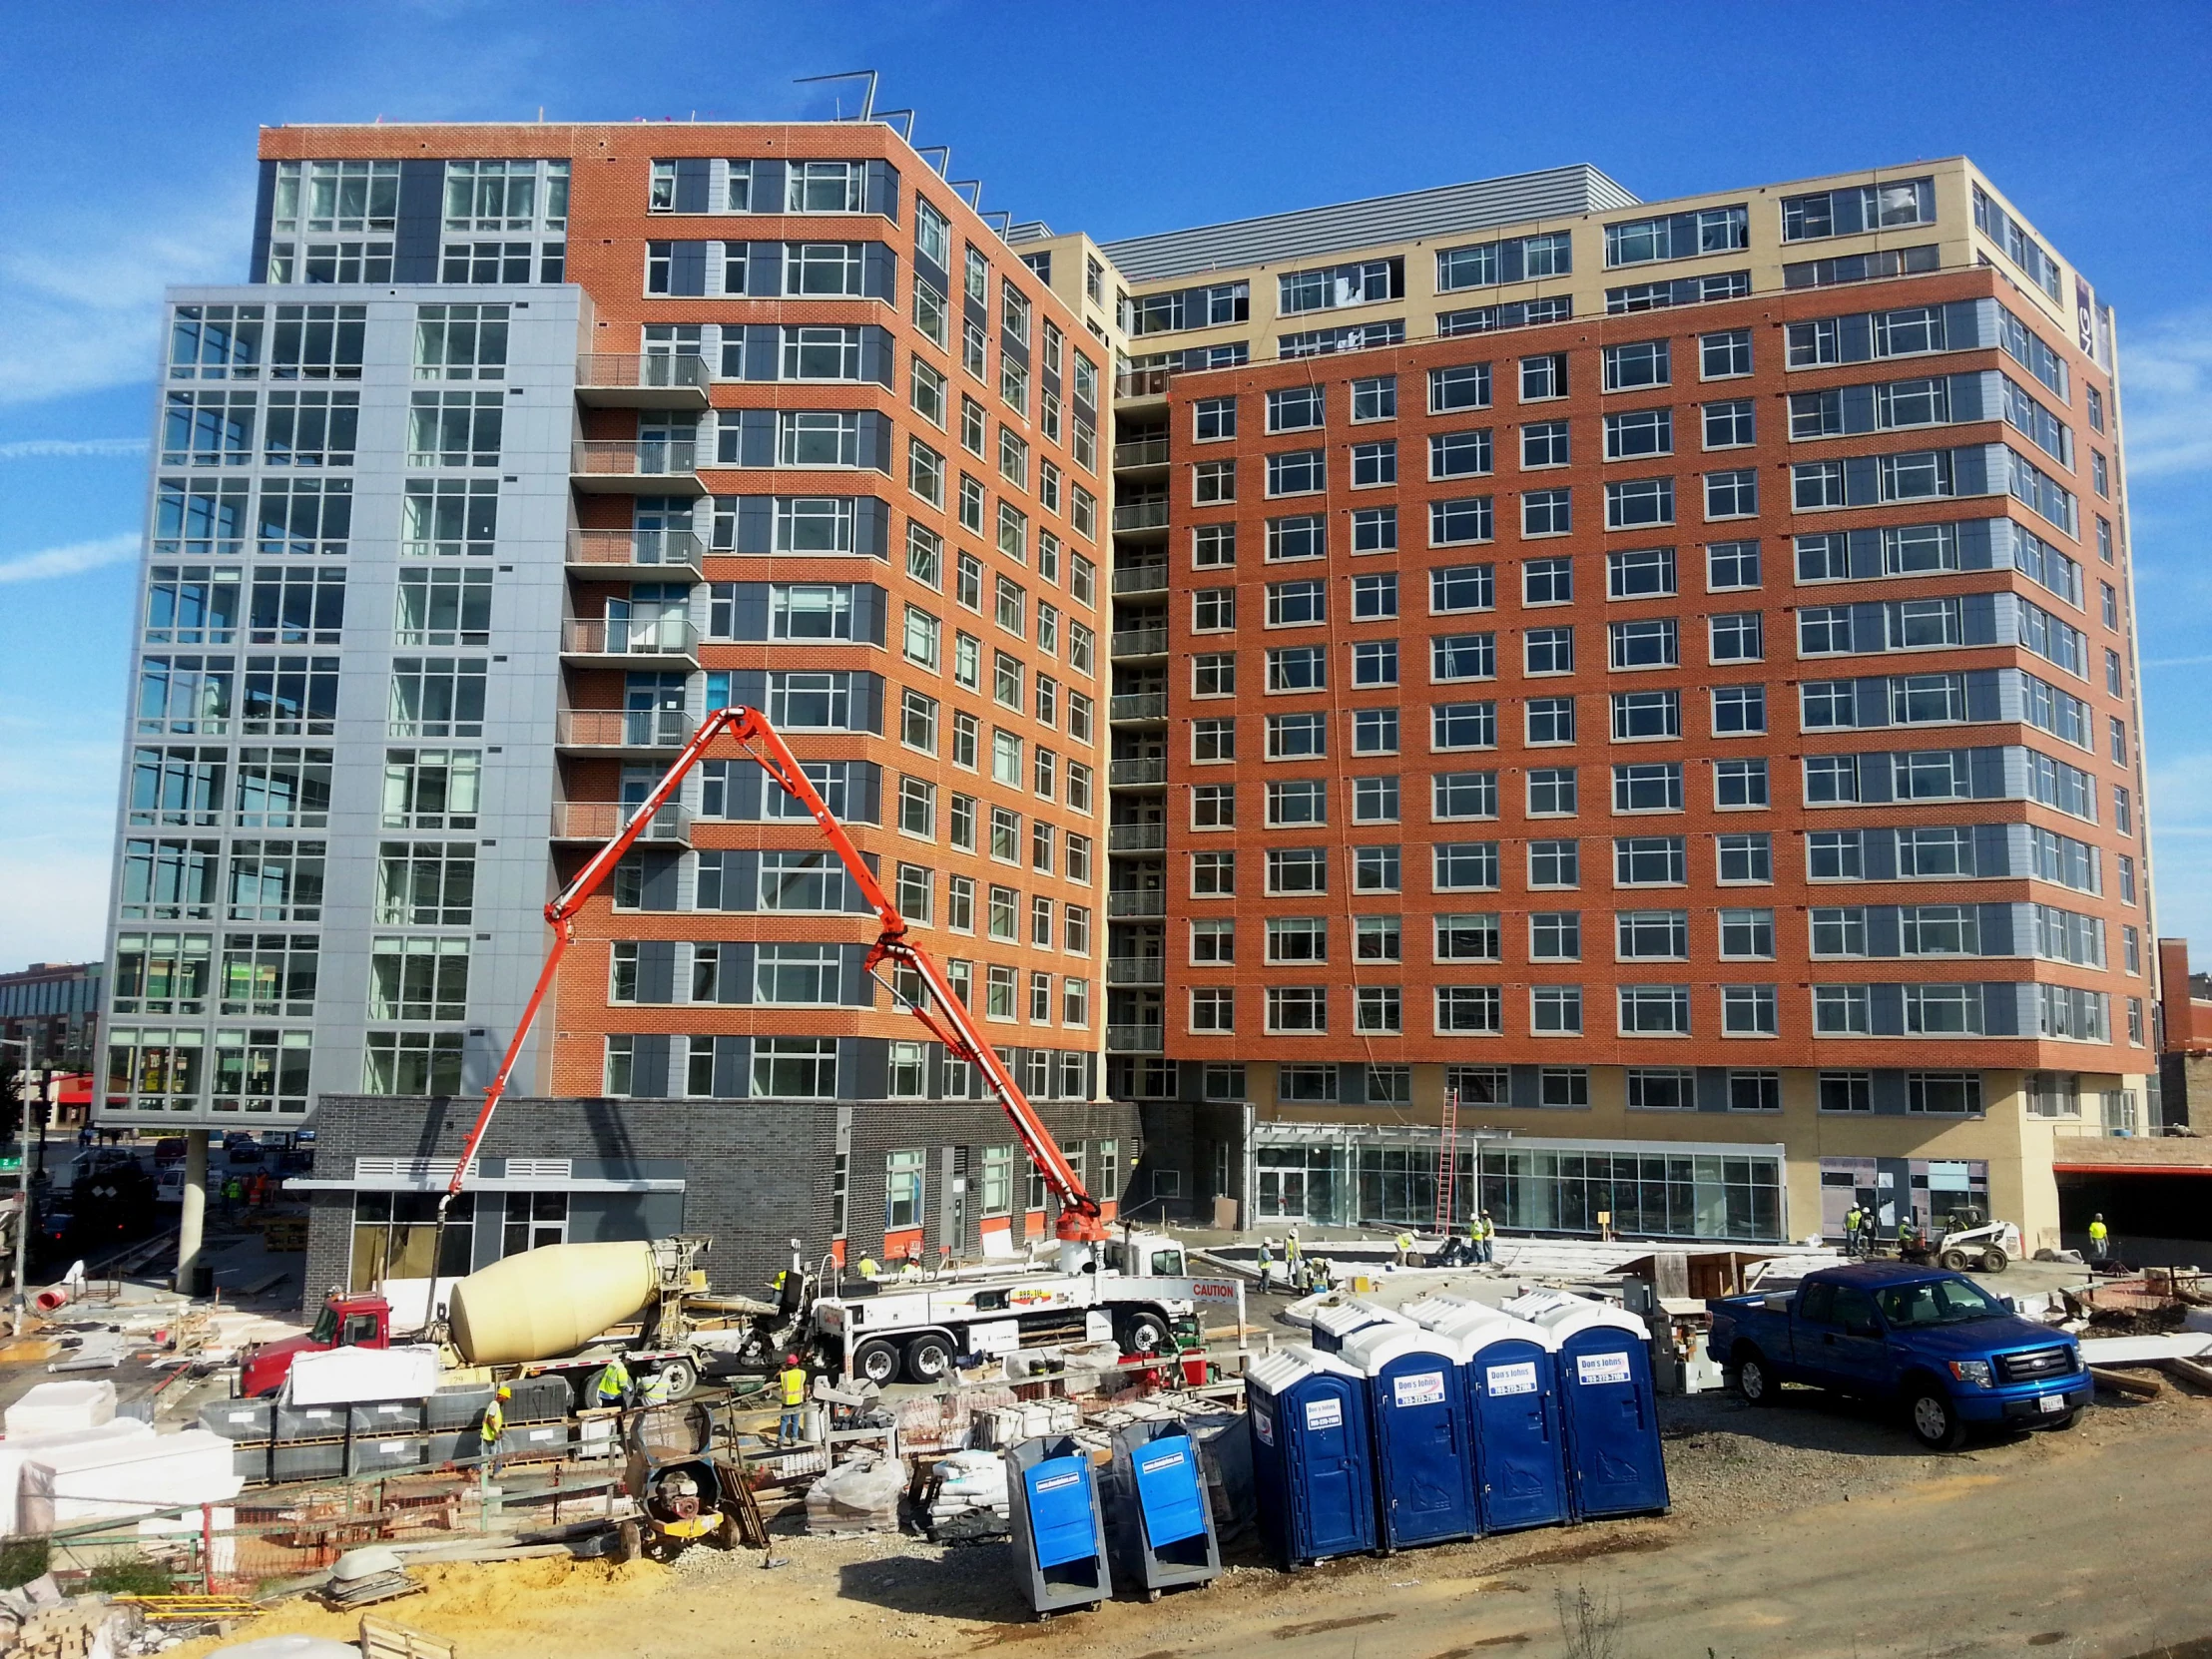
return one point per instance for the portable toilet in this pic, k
(1333, 1324)
(1312, 1469)
(1058, 1532)
(1160, 1520)
(1423, 1459)
(1603, 1354)
(1513, 1402)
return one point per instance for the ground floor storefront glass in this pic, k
(1343, 1177)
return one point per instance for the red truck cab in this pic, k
(345, 1322)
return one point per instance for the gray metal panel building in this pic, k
(1447, 210)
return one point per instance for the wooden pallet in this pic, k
(382, 1639)
(191, 1610)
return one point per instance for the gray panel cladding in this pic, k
(764, 269)
(522, 685)
(690, 185)
(688, 268)
(414, 250)
(265, 208)
(769, 184)
(883, 190)
(1445, 210)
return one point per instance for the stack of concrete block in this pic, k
(859, 1496)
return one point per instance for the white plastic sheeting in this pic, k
(356, 1376)
(53, 1407)
(20, 1450)
(98, 1480)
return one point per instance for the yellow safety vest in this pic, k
(868, 1268)
(494, 1424)
(2098, 1231)
(1405, 1240)
(794, 1386)
(613, 1380)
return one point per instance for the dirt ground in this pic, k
(1814, 1530)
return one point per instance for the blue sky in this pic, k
(129, 132)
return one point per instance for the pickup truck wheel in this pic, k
(875, 1360)
(929, 1359)
(1935, 1422)
(1754, 1380)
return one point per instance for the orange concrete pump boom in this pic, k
(941, 1011)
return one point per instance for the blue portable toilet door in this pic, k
(1613, 1439)
(1517, 1453)
(1169, 1495)
(1060, 1510)
(1427, 1485)
(1328, 1473)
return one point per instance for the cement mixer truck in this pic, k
(562, 1310)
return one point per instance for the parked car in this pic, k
(1954, 1355)
(169, 1149)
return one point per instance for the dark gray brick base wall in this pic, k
(757, 1173)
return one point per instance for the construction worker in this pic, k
(490, 1430)
(867, 1269)
(1325, 1274)
(233, 1190)
(1404, 1243)
(1854, 1218)
(1291, 1257)
(1485, 1235)
(793, 1380)
(2100, 1237)
(614, 1384)
(1266, 1263)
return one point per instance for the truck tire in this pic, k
(1143, 1333)
(680, 1377)
(1955, 1260)
(875, 1360)
(929, 1357)
(1994, 1259)
(1936, 1422)
(1754, 1380)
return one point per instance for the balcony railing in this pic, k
(1138, 642)
(601, 821)
(1145, 769)
(1147, 578)
(1137, 1039)
(628, 637)
(1136, 970)
(653, 381)
(1142, 383)
(1141, 515)
(1140, 706)
(622, 552)
(1141, 452)
(628, 463)
(1136, 904)
(1136, 837)
(623, 728)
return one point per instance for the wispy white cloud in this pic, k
(84, 309)
(54, 862)
(2166, 369)
(70, 559)
(33, 449)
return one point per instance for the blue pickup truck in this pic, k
(1934, 1342)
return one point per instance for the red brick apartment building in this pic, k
(1471, 647)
